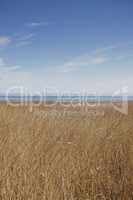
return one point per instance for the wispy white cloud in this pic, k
(12, 76)
(4, 67)
(4, 40)
(36, 24)
(26, 37)
(19, 39)
(85, 60)
(97, 57)
(24, 40)
(23, 43)
(98, 60)
(105, 49)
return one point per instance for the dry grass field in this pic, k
(57, 153)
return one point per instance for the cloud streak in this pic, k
(26, 37)
(98, 57)
(85, 60)
(36, 24)
(5, 68)
(23, 43)
(24, 40)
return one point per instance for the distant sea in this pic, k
(17, 98)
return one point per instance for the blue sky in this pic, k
(67, 46)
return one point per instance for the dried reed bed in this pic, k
(57, 153)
